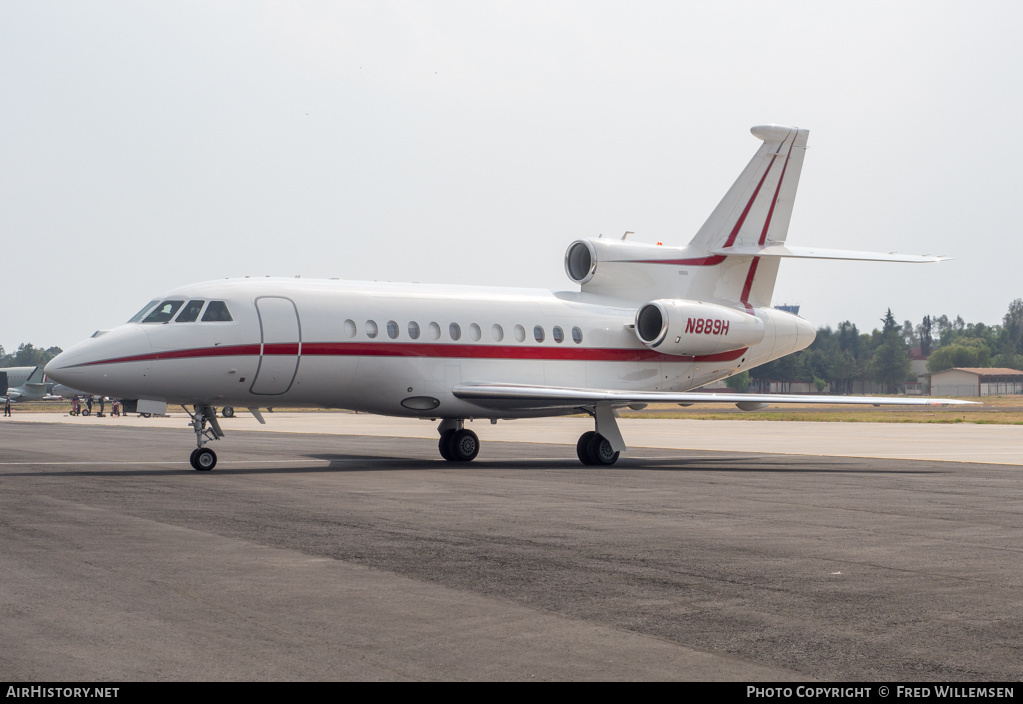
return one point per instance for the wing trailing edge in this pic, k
(519, 397)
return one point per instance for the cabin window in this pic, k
(520, 333)
(454, 331)
(142, 313)
(558, 334)
(371, 328)
(577, 336)
(475, 333)
(163, 312)
(538, 333)
(413, 330)
(392, 329)
(350, 329)
(217, 312)
(497, 331)
(190, 313)
(434, 331)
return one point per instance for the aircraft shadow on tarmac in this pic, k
(337, 462)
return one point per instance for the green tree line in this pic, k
(28, 355)
(845, 356)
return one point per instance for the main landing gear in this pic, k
(203, 459)
(457, 443)
(603, 445)
(594, 449)
(599, 447)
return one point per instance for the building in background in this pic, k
(976, 381)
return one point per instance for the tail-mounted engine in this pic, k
(689, 328)
(632, 270)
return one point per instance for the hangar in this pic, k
(976, 381)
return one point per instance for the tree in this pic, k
(923, 332)
(28, 355)
(909, 335)
(739, 382)
(964, 352)
(843, 371)
(888, 325)
(890, 365)
(1013, 326)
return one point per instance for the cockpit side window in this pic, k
(163, 312)
(217, 311)
(145, 310)
(190, 313)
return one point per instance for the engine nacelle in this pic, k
(620, 269)
(689, 328)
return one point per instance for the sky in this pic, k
(148, 145)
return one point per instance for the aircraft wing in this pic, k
(524, 397)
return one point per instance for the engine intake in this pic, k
(580, 261)
(689, 328)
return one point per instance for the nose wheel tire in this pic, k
(203, 459)
(595, 449)
(227, 412)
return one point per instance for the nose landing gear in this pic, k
(203, 459)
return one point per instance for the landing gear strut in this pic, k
(203, 459)
(457, 444)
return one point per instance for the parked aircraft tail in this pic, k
(733, 259)
(754, 212)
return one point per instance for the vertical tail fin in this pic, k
(755, 211)
(724, 263)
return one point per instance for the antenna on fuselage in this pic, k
(627, 233)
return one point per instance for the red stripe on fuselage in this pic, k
(426, 349)
(747, 286)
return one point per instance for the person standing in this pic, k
(7, 405)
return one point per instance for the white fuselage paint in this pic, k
(289, 344)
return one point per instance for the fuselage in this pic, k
(393, 349)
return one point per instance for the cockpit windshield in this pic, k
(216, 312)
(190, 313)
(163, 312)
(142, 313)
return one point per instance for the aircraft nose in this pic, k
(90, 364)
(54, 369)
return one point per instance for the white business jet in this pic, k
(648, 324)
(23, 383)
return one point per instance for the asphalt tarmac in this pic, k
(308, 556)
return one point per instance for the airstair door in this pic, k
(281, 346)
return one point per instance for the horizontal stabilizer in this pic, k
(784, 250)
(520, 397)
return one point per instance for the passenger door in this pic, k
(281, 346)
